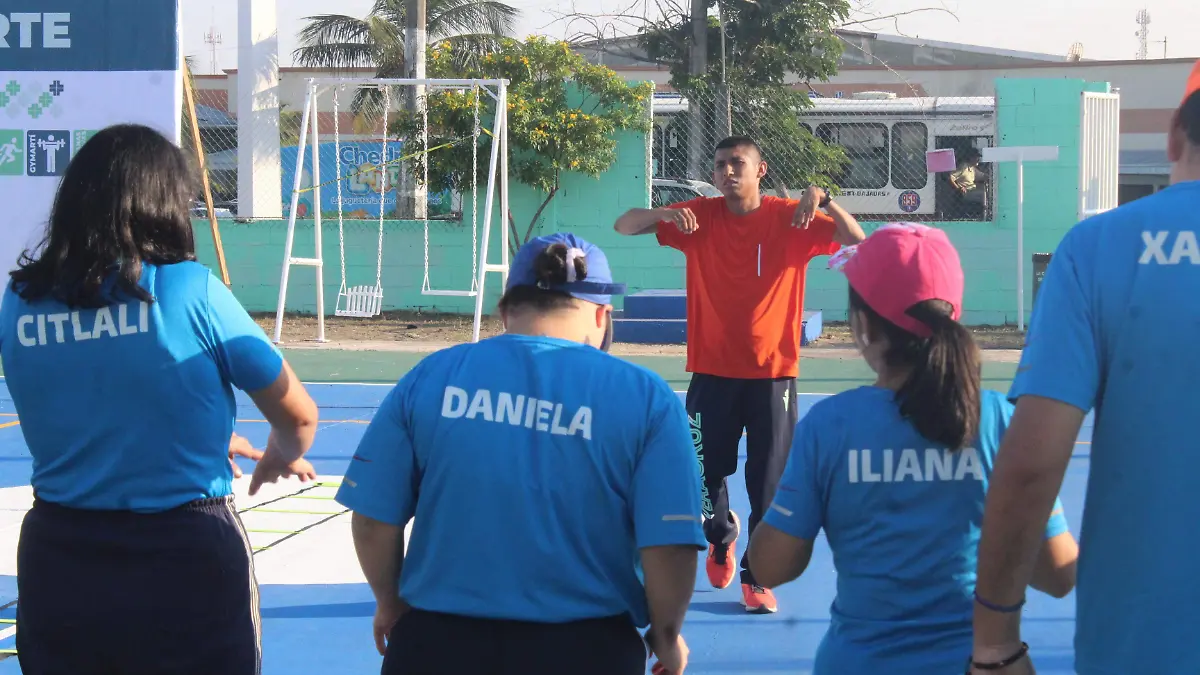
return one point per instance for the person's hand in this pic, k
(683, 219)
(272, 466)
(241, 447)
(387, 613)
(806, 210)
(672, 656)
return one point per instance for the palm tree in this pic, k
(336, 41)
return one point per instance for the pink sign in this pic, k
(939, 161)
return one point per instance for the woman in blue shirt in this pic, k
(121, 354)
(896, 473)
(537, 471)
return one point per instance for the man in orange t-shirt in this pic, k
(746, 260)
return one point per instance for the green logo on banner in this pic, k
(12, 152)
(31, 99)
(79, 138)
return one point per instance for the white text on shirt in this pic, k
(905, 465)
(40, 329)
(1183, 246)
(517, 410)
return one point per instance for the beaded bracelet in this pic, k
(998, 665)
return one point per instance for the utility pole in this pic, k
(698, 68)
(412, 202)
(212, 38)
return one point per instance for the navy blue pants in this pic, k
(719, 410)
(122, 593)
(429, 643)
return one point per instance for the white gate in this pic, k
(1099, 145)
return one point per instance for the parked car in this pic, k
(667, 191)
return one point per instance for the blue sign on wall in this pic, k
(357, 167)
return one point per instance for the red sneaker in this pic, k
(758, 600)
(721, 564)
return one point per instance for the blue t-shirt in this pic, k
(533, 469)
(902, 515)
(131, 406)
(1115, 328)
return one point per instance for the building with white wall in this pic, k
(1149, 89)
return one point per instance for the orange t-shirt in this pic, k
(745, 285)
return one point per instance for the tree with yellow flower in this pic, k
(563, 116)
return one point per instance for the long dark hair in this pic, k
(550, 267)
(124, 199)
(942, 393)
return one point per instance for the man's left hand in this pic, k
(241, 447)
(807, 208)
(387, 613)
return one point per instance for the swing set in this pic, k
(366, 300)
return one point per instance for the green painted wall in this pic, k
(1029, 112)
(254, 250)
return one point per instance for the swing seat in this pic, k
(361, 301)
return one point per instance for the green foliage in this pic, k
(563, 116)
(795, 157)
(767, 43)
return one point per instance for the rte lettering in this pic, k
(55, 30)
(518, 410)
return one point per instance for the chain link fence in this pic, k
(364, 167)
(886, 156)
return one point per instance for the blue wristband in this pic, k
(1009, 609)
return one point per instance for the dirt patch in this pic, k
(418, 330)
(837, 334)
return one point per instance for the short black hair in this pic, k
(1188, 119)
(550, 268)
(733, 142)
(124, 200)
(972, 154)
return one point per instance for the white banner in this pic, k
(69, 68)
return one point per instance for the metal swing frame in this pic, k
(367, 300)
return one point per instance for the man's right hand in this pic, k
(672, 656)
(683, 219)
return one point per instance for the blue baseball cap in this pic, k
(597, 287)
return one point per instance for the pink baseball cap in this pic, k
(900, 265)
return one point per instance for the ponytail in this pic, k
(941, 396)
(550, 269)
(942, 393)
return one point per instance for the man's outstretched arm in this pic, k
(645, 221)
(847, 231)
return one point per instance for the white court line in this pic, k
(392, 384)
(8, 632)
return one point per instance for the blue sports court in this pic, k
(317, 611)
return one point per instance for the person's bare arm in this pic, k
(645, 221)
(777, 557)
(380, 550)
(847, 231)
(291, 413)
(670, 578)
(1054, 572)
(1030, 466)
